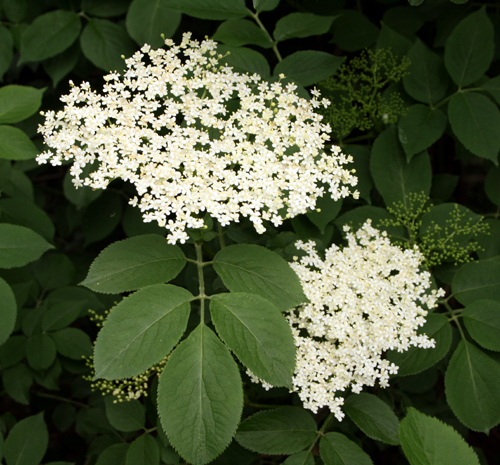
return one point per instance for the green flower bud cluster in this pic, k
(357, 93)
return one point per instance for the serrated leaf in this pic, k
(142, 329)
(300, 458)
(19, 102)
(62, 64)
(472, 386)
(309, 66)
(125, 416)
(373, 416)
(84, 195)
(394, 177)
(102, 216)
(200, 397)
(6, 50)
(429, 441)
(104, 43)
(40, 351)
(493, 87)
(482, 320)
(147, 20)
(257, 270)
(20, 246)
(245, 60)
(301, 25)
(49, 34)
(389, 38)
(105, 8)
(113, 455)
(326, 211)
(15, 144)
(336, 449)
(13, 351)
(284, 430)
(416, 359)
(265, 5)
(211, 9)
(419, 128)
(72, 343)
(353, 31)
(8, 311)
(254, 329)
(27, 441)
(469, 49)
(427, 80)
(17, 381)
(474, 120)
(135, 263)
(237, 32)
(53, 271)
(61, 315)
(143, 451)
(477, 280)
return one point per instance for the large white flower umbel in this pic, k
(195, 136)
(364, 299)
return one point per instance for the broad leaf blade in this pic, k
(211, 9)
(472, 385)
(373, 416)
(477, 280)
(143, 451)
(19, 102)
(8, 311)
(254, 329)
(285, 430)
(141, 330)
(135, 263)
(336, 449)
(257, 270)
(482, 320)
(15, 144)
(200, 397)
(125, 416)
(429, 441)
(301, 25)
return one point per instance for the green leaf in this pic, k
(104, 43)
(61, 315)
(72, 343)
(237, 32)
(135, 263)
(394, 177)
(40, 351)
(373, 416)
(429, 441)
(133, 224)
(8, 311)
(15, 144)
(200, 397)
(469, 49)
(257, 270)
(474, 120)
(254, 329)
(326, 211)
(265, 5)
(284, 430)
(389, 38)
(24, 212)
(113, 455)
(309, 66)
(415, 359)
(53, 271)
(245, 60)
(62, 64)
(102, 216)
(143, 451)
(105, 8)
(492, 185)
(419, 128)
(27, 441)
(301, 25)
(49, 34)
(6, 50)
(142, 329)
(12, 351)
(125, 416)
(211, 9)
(20, 246)
(17, 381)
(482, 320)
(336, 449)
(300, 458)
(147, 20)
(361, 156)
(493, 87)
(472, 386)
(353, 31)
(404, 19)
(82, 196)
(427, 80)
(477, 280)
(19, 102)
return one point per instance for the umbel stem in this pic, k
(201, 279)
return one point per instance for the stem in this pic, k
(255, 16)
(62, 399)
(201, 280)
(442, 102)
(454, 315)
(321, 432)
(222, 241)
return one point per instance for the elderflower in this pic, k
(194, 136)
(364, 299)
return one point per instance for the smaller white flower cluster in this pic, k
(194, 136)
(365, 299)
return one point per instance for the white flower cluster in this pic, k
(365, 299)
(195, 136)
